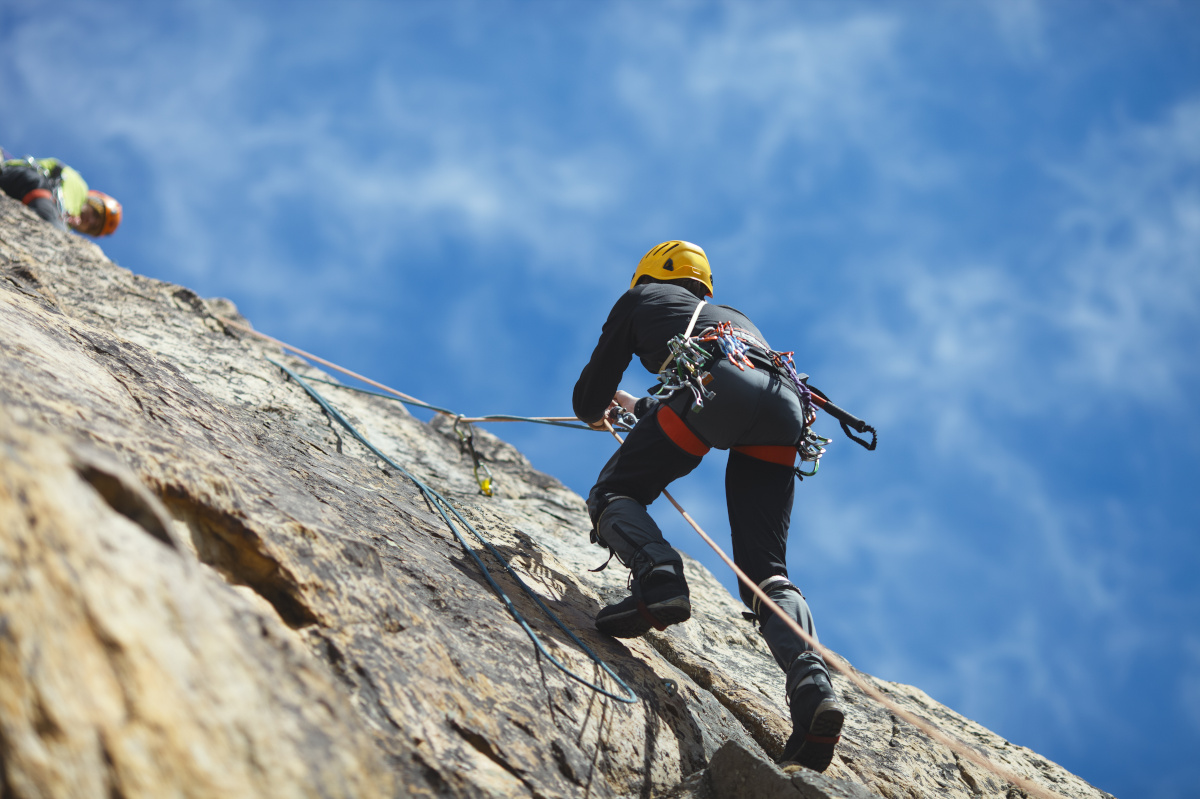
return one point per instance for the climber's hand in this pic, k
(602, 423)
(625, 400)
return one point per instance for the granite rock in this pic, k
(207, 587)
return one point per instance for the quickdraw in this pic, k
(466, 441)
(811, 448)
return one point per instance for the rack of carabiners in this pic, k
(687, 367)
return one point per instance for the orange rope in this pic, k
(837, 661)
(369, 381)
(322, 361)
(843, 666)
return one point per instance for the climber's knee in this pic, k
(624, 526)
(599, 500)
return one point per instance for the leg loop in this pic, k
(680, 434)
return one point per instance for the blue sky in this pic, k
(976, 223)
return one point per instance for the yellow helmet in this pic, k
(673, 260)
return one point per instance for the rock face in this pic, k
(208, 588)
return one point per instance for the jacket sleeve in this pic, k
(602, 376)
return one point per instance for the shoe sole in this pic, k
(633, 623)
(826, 724)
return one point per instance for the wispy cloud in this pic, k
(1021, 24)
(1131, 251)
(453, 194)
(1103, 311)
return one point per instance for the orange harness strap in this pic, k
(772, 453)
(37, 194)
(679, 433)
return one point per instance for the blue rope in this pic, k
(441, 505)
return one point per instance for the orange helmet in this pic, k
(107, 209)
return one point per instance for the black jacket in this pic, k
(641, 323)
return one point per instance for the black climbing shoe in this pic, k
(816, 724)
(659, 599)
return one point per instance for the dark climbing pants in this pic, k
(759, 418)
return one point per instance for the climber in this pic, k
(755, 413)
(58, 194)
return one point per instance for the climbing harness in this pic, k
(445, 509)
(52, 175)
(687, 367)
